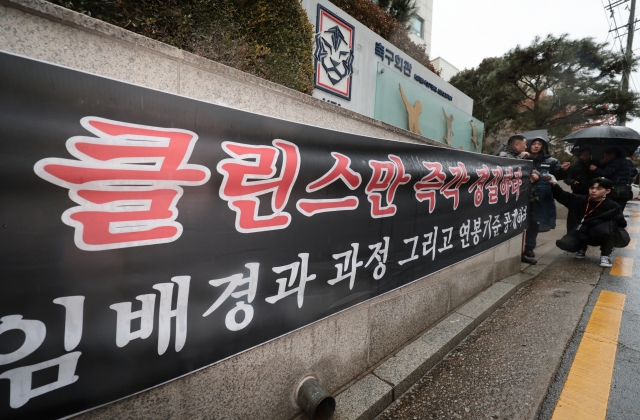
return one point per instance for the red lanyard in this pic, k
(586, 213)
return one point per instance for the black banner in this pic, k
(146, 235)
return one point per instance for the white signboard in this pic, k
(346, 58)
(333, 54)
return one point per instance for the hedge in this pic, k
(271, 39)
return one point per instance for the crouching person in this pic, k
(594, 220)
(516, 149)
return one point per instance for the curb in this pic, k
(368, 397)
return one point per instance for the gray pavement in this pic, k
(503, 369)
(514, 365)
(624, 397)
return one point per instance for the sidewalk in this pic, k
(394, 380)
(547, 241)
(503, 368)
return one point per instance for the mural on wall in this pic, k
(333, 54)
(413, 113)
(474, 134)
(449, 136)
(438, 119)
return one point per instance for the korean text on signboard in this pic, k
(147, 235)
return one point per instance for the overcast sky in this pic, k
(466, 31)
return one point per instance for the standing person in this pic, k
(578, 177)
(579, 174)
(632, 160)
(620, 172)
(542, 213)
(516, 149)
(590, 215)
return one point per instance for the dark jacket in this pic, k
(543, 162)
(579, 172)
(544, 210)
(510, 153)
(608, 210)
(513, 154)
(619, 171)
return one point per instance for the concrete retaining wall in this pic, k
(257, 384)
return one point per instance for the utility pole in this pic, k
(628, 56)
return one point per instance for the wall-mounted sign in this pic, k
(434, 88)
(346, 68)
(394, 59)
(147, 235)
(404, 66)
(333, 54)
(420, 111)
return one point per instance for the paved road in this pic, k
(624, 392)
(504, 369)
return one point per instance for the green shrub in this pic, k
(384, 24)
(272, 39)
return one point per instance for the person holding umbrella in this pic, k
(579, 177)
(542, 214)
(620, 172)
(580, 174)
(612, 144)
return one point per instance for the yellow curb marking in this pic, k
(633, 229)
(622, 267)
(632, 244)
(585, 395)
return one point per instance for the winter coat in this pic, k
(608, 210)
(513, 154)
(546, 163)
(619, 171)
(600, 230)
(543, 211)
(510, 153)
(579, 172)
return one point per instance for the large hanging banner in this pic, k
(146, 235)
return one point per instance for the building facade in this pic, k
(357, 69)
(421, 24)
(447, 70)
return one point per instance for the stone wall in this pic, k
(259, 383)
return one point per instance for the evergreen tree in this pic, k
(555, 83)
(401, 10)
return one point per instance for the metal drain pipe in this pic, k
(314, 400)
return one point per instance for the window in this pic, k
(417, 25)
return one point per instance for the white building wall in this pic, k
(447, 70)
(425, 11)
(365, 66)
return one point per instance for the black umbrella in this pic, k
(598, 139)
